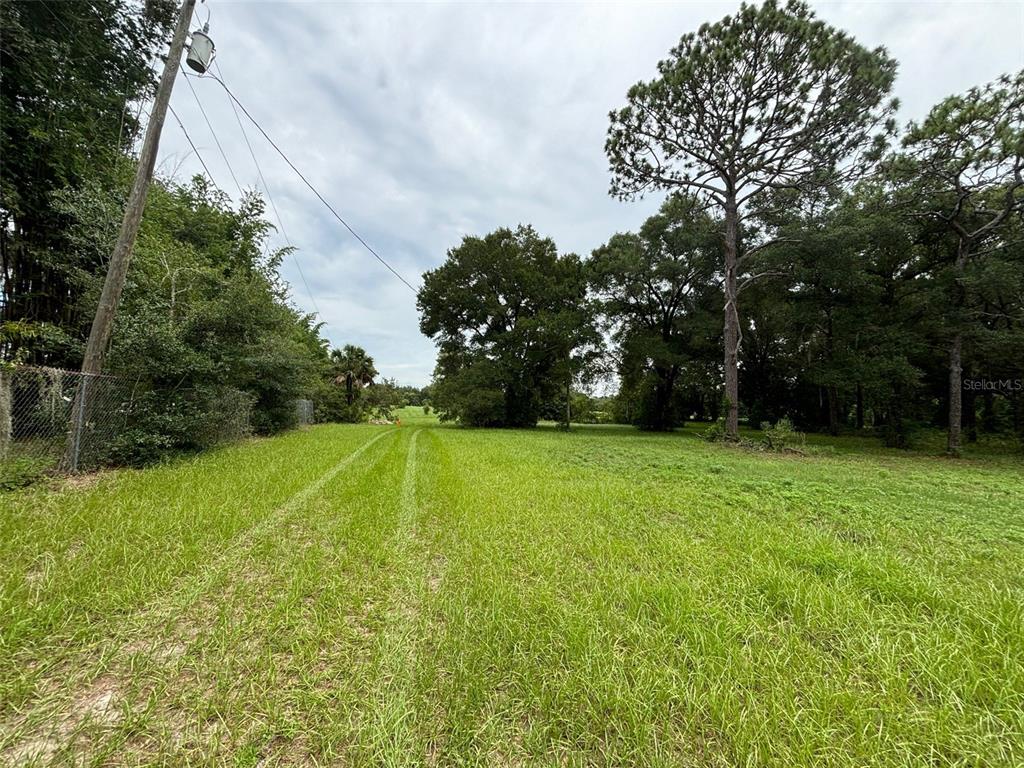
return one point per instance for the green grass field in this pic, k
(360, 595)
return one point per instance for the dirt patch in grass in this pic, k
(97, 705)
(435, 572)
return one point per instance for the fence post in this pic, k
(6, 410)
(78, 424)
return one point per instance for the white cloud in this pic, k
(423, 123)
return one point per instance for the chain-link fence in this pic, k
(55, 420)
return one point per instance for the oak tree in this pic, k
(508, 314)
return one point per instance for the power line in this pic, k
(217, 140)
(259, 171)
(308, 184)
(189, 139)
(266, 189)
(299, 173)
(215, 185)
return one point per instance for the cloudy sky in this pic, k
(422, 123)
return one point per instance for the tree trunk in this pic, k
(714, 408)
(833, 411)
(568, 402)
(988, 413)
(6, 410)
(1017, 409)
(732, 321)
(895, 435)
(955, 403)
(955, 353)
(6, 284)
(860, 406)
(661, 419)
(970, 418)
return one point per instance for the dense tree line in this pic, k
(73, 77)
(810, 261)
(205, 333)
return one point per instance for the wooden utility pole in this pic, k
(568, 402)
(117, 269)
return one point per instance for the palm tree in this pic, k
(353, 368)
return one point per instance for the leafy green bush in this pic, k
(781, 436)
(164, 422)
(206, 334)
(138, 447)
(715, 433)
(473, 396)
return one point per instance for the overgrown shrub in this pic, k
(163, 422)
(205, 333)
(714, 433)
(138, 447)
(902, 433)
(781, 436)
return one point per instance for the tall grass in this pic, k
(465, 597)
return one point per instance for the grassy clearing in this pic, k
(429, 596)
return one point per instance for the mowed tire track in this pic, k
(200, 582)
(282, 674)
(78, 690)
(391, 729)
(385, 733)
(81, 563)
